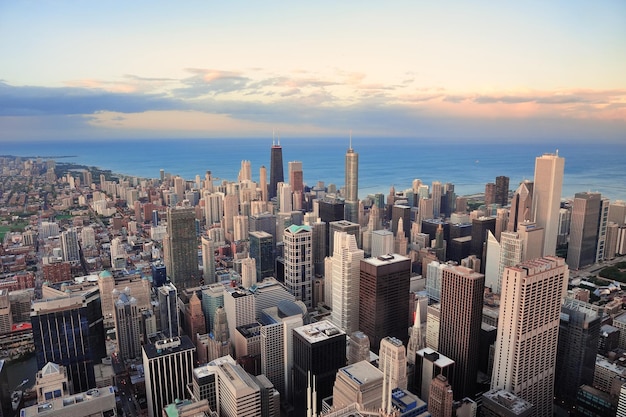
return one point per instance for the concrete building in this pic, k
(360, 383)
(428, 364)
(345, 271)
(299, 263)
(352, 185)
(384, 298)
(531, 304)
(587, 230)
(502, 403)
(440, 397)
(547, 197)
(459, 331)
(181, 247)
(168, 365)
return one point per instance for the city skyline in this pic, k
(528, 71)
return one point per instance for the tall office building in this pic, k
(502, 190)
(69, 244)
(343, 226)
(319, 350)
(384, 298)
(238, 394)
(277, 344)
(480, 226)
(299, 263)
(382, 242)
(436, 193)
(276, 169)
(588, 222)
(296, 180)
(127, 329)
(352, 185)
(181, 255)
(208, 260)
(168, 365)
(579, 334)
(392, 363)
(547, 197)
(526, 349)
(213, 208)
(346, 262)
(240, 309)
(168, 309)
(68, 330)
(490, 196)
(521, 205)
(263, 182)
(460, 323)
(428, 364)
(262, 251)
(360, 383)
(440, 397)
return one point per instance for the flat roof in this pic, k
(386, 259)
(168, 346)
(362, 372)
(316, 332)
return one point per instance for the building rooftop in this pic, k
(440, 360)
(361, 373)
(386, 259)
(294, 228)
(508, 400)
(73, 403)
(316, 332)
(168, 346)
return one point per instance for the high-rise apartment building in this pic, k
(382, 242)
(346, 263)
(299, 263)
(208, 260)
(502, 190)
(436, 193)
(547, 197)
(276, 168)
(384, 298)
(352, 185)
(168, 365)
(460, 323)
(490, 196)
(213, 208)
(68, 330)
(526, 348)
(181, 250)
(69, 244)
(296, 180)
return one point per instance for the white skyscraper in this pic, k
(547, 198)
(382, 242)
(208, 260)
(299, 262)
(436, 190)
(213, 208)
(526, 348)
(346, 261)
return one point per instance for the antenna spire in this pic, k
(350, 138)
(273, 135)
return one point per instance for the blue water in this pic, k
(382, 163)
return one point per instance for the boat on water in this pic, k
(16, 399)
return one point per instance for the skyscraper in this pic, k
(502, 190)
(579, 333)
(262, 250)
(208, 260)
(589, 216)
(299, 263)
(345, 282)
(460, 322)
(384, 298)
(68, 330)
(392, 363)
(521, 205)
(436, 193)
(69, 243)
(168, 366)
(319, 350)
(440, 397)
(276, 168)
(547, 197)
(526, 348)
(352, 185)
(181, 251)
(168, 310)
(127, 329)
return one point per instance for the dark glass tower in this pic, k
(276, 169)
(70, 332)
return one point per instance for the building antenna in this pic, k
(273, 135)
(278, 138)
(350, 138)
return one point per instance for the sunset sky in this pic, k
(466, 70)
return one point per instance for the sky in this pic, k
(457, 70)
